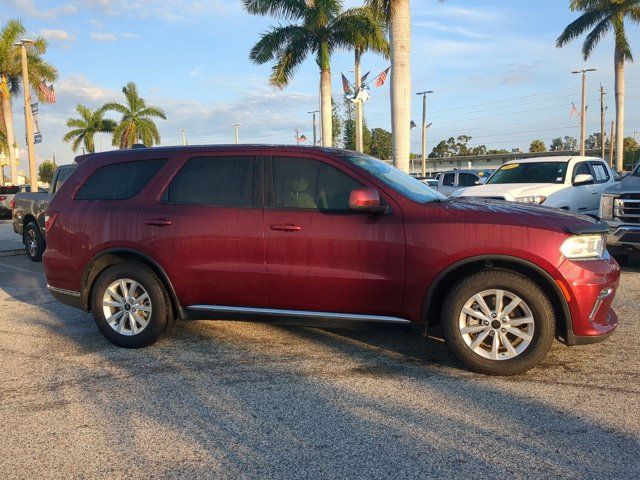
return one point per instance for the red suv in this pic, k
(145, 236)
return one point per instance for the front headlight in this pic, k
(584, 247)
(531, 199)
(606, 207)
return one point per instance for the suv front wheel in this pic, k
(498, 322)
(130, 305)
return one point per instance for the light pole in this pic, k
(236, 134)
(424, 130)
(184, 136)
(28, 115)
(314, 126)
(583, 122)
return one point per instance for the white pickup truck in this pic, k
(571, 183)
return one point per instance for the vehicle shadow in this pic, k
(237, 399)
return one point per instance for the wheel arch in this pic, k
(114, 256)
(431, 309)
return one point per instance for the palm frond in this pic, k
(622, 42)
(595, 36)
(152, 112)
(579, 26)
(273, 43)
(285, 9)
(114, 106)
(289, 59)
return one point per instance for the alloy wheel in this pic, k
(497, 324)
(127, 307)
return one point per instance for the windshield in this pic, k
(396, 179)
(530, 172)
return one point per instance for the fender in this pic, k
(116, 250)
(568, 324)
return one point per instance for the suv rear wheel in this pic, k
(130, 305)
(498, 322)
(33, 242)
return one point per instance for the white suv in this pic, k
(570, 183)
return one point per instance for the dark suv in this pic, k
(145, 236)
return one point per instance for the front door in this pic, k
(206, 230)
(321, 256)
(583, 195)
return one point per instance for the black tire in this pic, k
(34, 244)
(161, 316)
(533, 296)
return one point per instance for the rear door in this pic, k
(205, 227)
(447, 183)
(321, 256)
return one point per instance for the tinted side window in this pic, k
(222, 181)
(302, 183)
(63, 174)
(601, 173)
(119, 180)
(581, 168)
(448, 179)
(467, 179)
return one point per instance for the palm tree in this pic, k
(320, 27)
(135, 126)
(85, 128)
(397, 15)
(376, 43)
(599, 17)
(11, 76)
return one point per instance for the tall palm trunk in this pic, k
(326, 106)
(401, 83)
(7, 113)
(619, 88)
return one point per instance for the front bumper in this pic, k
(590, 287)
(623, 236)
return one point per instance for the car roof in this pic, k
(467, 170)
(566, 158)
(163, 152)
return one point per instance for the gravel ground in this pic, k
(249, 400)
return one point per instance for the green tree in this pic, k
(593, 141)
(556, 145)
(598, 18)
(537, 146)
(630, 144)
(85, 128)
(45, 171)
(319, 28)
(381, 144)
(11, 76)
(136, 124)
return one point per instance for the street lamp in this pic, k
(424, 130)
(314, 126)
(583, 123)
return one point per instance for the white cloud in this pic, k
(79, 89)
(466, 14)
(103, 37)
(37, 10)
(130, 35)
(57, 35)
(441, 27)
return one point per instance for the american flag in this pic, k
(346, 86)
(380, 79)
(47, 92)
(573, 111)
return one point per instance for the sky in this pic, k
(493, 65)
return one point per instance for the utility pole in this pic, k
(583, 115)
(297, 136)
(315, 138)
(359, 105)
(611, 143)
(28, 116)
(54, 159)
(184, 136)
(602, 127)
(236, 133)
(424, 131)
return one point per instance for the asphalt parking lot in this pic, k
(250, 400)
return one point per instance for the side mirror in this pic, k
(366, 200)
(583, 179)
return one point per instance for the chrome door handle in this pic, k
(159, 222)
(286, 227)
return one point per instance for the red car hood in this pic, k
(522, 214)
